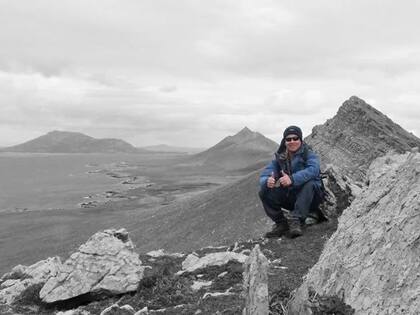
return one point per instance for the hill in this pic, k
(233, 211)
(246, 150)
(72, 142)
(220, 216)
(356, 135)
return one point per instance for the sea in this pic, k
(40, 181)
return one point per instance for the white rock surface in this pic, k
(192, 262)
(120, 310)
(218, 294)
(107, 263)
(161, 253)
(372, 261)
(21, 277)
(73, 312)
(143, 311)
(197, 285)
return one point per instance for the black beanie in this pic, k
(293, 130)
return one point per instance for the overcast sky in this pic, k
(192, 72)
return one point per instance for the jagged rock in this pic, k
(371, 263)
(106, 263)
(340, 192)
(143, 311)
(256, 283)
(115, 309)
(357, 135)
(192, 262)
(14, 283)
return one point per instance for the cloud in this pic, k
(195, 71)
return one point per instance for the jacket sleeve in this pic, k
(266, 173)
(311, 171)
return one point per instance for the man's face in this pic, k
(293, 143)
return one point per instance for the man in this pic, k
(291, 181)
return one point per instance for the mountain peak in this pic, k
(356, 135)
(245, 131)
(245, 149)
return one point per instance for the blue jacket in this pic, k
(299, 171)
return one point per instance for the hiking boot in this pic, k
(279, 229)
(295, 228)
(312, 219)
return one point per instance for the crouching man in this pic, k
(291, 182)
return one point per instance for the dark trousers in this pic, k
(300, 201)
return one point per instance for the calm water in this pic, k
(55, 181)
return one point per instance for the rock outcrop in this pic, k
(372, 261)
(357, 135)
(256, 283)
(21, 278)
(105, 264)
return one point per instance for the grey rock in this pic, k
(21, 278)
(115, 309)
(372, 262)
(357, 135)
(74, 312)
(256, 283)
(193, 263)
(106, 263)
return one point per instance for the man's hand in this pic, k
(285, 180)
(271, 181)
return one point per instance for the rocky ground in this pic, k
(207, 290)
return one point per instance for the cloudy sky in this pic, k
(190, 72)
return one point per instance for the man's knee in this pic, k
(309, 187)
(310, 184)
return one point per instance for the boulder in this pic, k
(105, 264)
(371, 263)
(21, 278)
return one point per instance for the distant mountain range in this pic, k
(73, 142)
(246, 150)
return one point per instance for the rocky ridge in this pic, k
(357, 135)
(372, 260)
